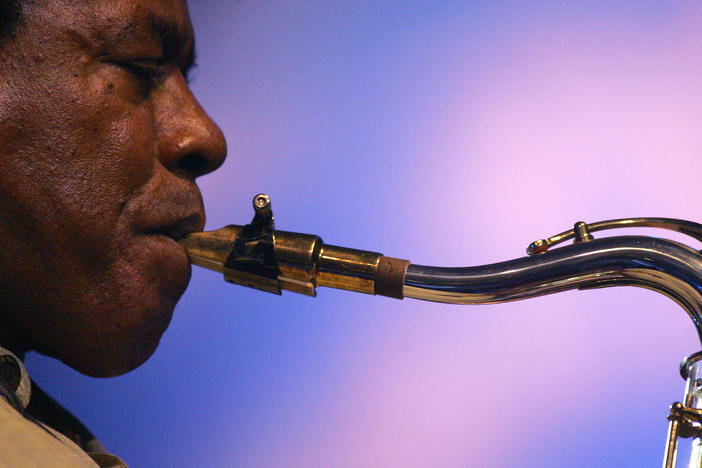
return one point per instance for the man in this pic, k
(100, 143)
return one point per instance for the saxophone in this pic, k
(259, 256)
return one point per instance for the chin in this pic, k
(110, 321)
(124, 329)
(109, 351)
(115, 364)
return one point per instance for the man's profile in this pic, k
(100, 143)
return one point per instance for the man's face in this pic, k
(100, 143)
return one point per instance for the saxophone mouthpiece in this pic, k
(258, 256)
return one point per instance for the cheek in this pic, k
(116, 138)
(77, 154)
(104, 166)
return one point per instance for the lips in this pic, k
(176, 225)
(178, 228)
(160, 259)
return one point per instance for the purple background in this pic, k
(451, 133)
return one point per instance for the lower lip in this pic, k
(170, 256)
(170, 241)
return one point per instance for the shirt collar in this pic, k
(14, 377)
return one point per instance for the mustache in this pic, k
(175, 209)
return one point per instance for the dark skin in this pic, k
(101, 141)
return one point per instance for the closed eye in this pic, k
(148, 72)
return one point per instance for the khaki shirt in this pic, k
(26, 442)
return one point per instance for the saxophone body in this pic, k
(256, 255)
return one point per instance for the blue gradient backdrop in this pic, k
(450, 133)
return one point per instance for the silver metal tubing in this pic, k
(662, 265)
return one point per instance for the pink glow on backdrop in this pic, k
(557, 123)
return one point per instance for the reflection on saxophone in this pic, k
(256, 255)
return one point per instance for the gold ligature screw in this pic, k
(261, 201)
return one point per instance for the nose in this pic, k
(188, 139)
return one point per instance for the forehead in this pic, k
(125, 14)
(96, 20)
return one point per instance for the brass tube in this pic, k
(303, 262)
(349, 269)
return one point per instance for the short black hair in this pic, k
(10, 13)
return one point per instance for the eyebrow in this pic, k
(178, 42)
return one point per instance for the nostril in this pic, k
(194, 164)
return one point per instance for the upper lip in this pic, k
(179, 227)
